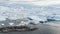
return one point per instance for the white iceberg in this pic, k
(37, 18)
(11, 23)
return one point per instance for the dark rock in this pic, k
(17, 28)
(41, 21)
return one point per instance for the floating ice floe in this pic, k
(23, 23)
(36, 19)
(11, 23)
(2, 24)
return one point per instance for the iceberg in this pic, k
(11, 23)
(37, 18)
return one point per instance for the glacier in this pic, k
(15, 11)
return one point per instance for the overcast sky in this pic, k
(36, 2)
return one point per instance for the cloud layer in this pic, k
(34, 2)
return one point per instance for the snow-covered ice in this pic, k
(37, 13)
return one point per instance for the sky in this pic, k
(35, 2)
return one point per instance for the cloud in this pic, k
(34, 2)
(41, 3)
(21, 0)
(18, 0)
(44, 3)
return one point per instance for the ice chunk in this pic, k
(37, 18)
(43, 19)
(22, 23)
(54, 17)
(11, 23)
(34, 18)
(2, 24)
(34, 22)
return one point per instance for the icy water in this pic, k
(46, 28)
